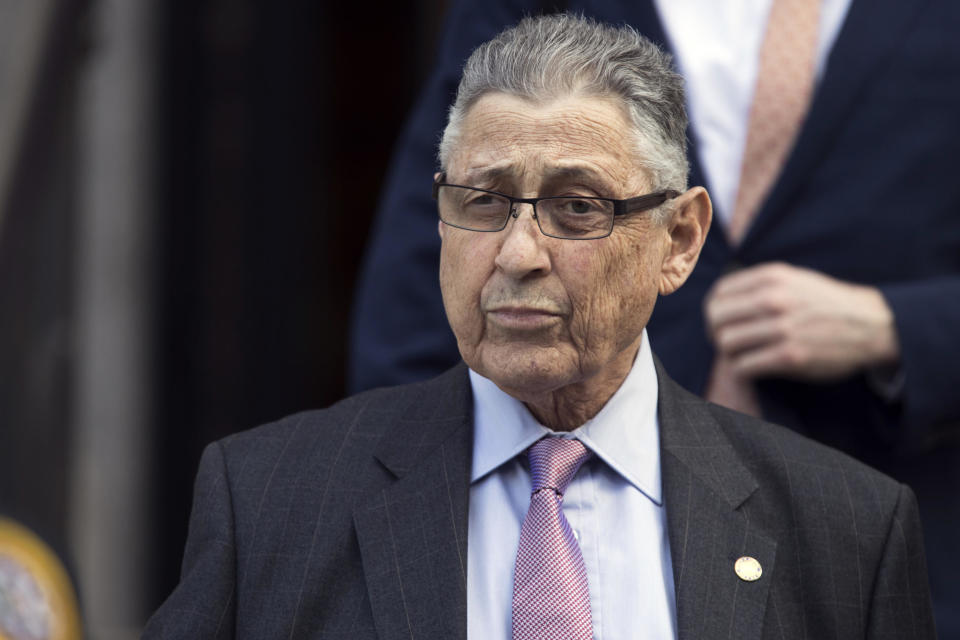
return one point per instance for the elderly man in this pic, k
(559, 484)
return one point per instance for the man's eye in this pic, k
(482, 200)
(578, 206)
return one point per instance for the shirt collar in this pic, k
(624, 434)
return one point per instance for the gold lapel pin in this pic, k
(748, 569)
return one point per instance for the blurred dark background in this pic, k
(186, 189)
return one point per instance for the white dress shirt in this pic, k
(717, 47)
(614, 505)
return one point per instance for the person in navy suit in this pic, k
(849, 274)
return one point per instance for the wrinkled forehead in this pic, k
(508, 138)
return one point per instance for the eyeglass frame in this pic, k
(620, 207)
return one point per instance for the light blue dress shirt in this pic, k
(614, 505)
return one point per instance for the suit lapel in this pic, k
(705, 484)
(413, 534)
(861, 48)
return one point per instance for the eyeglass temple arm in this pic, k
(643, 203)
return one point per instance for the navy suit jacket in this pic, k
(870, 194)
(351, 522)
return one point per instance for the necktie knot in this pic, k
(554, 462)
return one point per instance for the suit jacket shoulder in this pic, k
(347, 434)
(273, 551)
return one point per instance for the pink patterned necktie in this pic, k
(781, 97)
(551, 597)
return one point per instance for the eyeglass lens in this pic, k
(563, 217)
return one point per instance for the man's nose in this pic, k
(524, 249)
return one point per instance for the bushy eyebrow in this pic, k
(496, 173)
(574, 173)
(489, 174)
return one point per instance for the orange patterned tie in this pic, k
(781, 98)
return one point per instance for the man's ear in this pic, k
(687, 229)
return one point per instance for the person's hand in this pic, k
(777, 319)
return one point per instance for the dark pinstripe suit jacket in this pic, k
(351, 522)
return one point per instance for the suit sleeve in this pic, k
(927, 315)
(413, 341)
(900, 605)
(203, 604)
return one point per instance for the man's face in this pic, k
(533, 313)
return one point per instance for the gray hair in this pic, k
(548, 57)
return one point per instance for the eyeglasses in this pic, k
(564, 217)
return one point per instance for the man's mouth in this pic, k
(522, 317)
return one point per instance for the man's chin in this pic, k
(525, 373)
